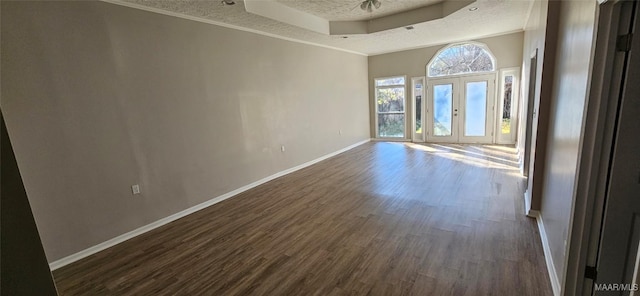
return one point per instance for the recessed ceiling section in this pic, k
(492, 18)
(349, 10)
(283, 11)
(402, 19)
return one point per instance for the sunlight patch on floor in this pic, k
(487, 156)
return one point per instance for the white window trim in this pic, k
(515, 105)
(423, 94)
(375, 103)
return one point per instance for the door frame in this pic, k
(596, 150)
(458, 83)
(530, 114)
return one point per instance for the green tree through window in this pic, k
(390, 107)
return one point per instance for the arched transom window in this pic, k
(461, 58)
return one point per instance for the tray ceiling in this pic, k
(491, 18)
(344, 10)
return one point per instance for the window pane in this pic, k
(418, 100)
(391, 125)
(442, 107)
(390, 96)
(475, 109)
(506, 105)
(390, 99)
(463, 58)
(390, 81)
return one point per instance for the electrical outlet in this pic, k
(135, 189)
(282, 148)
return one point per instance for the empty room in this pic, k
(334, 147)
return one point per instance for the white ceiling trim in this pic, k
(221, 24)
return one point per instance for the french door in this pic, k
(461, 109)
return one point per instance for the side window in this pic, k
(390, 107)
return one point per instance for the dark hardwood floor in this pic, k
(381, 219)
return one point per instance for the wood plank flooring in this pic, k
(381, 219)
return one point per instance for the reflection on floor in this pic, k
(381, 219)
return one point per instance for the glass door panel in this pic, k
(475, 107)
(442, 110)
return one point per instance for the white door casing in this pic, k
(452, 114)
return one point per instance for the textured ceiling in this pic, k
(349, 10)
(493, 17)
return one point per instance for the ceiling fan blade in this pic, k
(368, 5)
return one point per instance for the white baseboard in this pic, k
(131, 234)
(553, 276)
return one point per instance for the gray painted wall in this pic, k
(413, 63)
(98, 97)
(568, 100)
